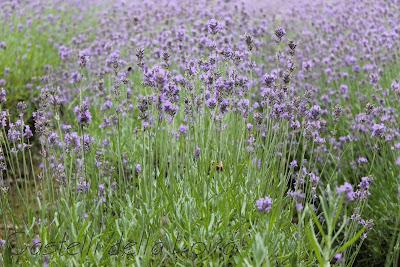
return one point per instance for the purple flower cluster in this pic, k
(264, 204)
(83, 114)
(361, 194)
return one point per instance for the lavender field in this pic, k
(200, 133)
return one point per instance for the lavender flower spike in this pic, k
(264, 204)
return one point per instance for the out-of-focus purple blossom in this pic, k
(107, 105)
(362, 160)
(75, 77)
(101, 192)
(315, 112)
(365, 183)
(3, 96)
(264, 204)
(211, 103)
(297, 195)
(269, 79)
(28, 133)
(314, 179)
(344, 89)
(396, 86)
(338, 257)
(46, 261)
(3, 118)
(280, 32)
(293, 164)
(64, 52)
(53, 139)
(36, 242)
(83, 186)
(87, 142)
(72, 140)
(83, 114)
(213, 26)
(299, 207)
(105, 143)
(138, 168)
(378, 130)
(66, 128)
(14, 132)
(183, 129)
(197, 152)
(346, 189)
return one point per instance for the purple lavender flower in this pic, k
(314, 112)
(36, 242)
(378, 130)
(72, 140)
(395, 86)
(107, 105)
(363, 191)
(344, 89)
(170, 108)
(53, 139)
(362, 160)
(105, 143)
(14, 133)
(269, 79)
(21, 107)
(299, 207)
(28, 133)
(101, 192)
(75, 77)
(293, 164)
(213, 26)
(264, 204)
(2, 243)
(138, 168)
(3, 96)
(398, 161)
(280, 32)
(66, 128)
(83, 114)
(46, 261)
(397, 146)
(87, 142)
(211, 103)
(297, 196)
(338, 257)
(3, 118)
(83, 186)
(346, 189)
(183, 129)
(365, 183)
(314, 179)
(197, 152)
(259, 164)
